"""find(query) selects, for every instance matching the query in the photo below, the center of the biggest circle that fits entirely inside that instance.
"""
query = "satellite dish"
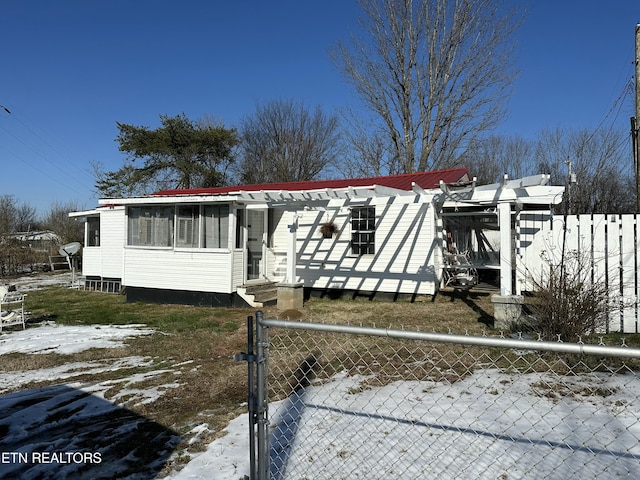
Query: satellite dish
(70, 249)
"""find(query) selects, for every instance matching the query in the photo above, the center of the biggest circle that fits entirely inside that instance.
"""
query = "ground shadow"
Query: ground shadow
(470, 299)
(284, 432)
(63, 432)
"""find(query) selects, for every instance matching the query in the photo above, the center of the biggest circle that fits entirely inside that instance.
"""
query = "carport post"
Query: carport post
(291, 251)
(506, 247)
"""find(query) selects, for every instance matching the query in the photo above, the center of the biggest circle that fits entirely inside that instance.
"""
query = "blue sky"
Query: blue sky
(70, 70)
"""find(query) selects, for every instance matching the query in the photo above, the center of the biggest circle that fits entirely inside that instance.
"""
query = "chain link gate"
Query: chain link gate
(256, 400)
(344, 401)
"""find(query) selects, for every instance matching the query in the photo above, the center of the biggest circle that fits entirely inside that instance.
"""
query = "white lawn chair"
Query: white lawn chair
(458, 271)
(11, 308)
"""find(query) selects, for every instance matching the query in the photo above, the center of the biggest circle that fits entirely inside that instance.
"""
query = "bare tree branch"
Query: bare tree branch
(285, 141)
(436, 73)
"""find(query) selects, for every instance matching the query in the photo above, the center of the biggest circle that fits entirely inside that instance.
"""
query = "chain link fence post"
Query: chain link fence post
(262, 348)
(251, 359)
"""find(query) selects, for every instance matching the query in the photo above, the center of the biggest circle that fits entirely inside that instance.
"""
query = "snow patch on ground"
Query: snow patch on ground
(52, 338)
(29, 283)
(11, 381)
(435, 430)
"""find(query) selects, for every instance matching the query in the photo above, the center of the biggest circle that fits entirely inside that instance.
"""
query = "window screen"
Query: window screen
(150, 226)
(216, 226)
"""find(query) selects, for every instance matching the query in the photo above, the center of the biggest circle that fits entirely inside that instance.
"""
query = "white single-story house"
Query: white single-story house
(382, 236)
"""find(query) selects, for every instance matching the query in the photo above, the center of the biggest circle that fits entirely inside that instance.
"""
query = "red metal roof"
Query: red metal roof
(426, 180)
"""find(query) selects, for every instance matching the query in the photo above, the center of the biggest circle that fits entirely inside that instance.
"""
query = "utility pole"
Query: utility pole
(571, 181)
(636, 120)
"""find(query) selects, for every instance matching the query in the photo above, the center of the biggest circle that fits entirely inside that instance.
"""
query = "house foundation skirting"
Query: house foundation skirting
(102, 284)
(183, 297)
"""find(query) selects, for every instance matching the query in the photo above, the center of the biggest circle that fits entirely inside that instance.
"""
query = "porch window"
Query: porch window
(363, 224)
(187, 226)
(150, 226)
(93, 231)
(239, 228)
(215, 226)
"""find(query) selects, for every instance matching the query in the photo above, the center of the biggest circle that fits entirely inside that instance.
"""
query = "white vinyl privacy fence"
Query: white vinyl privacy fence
(348, 402)
(608, 243)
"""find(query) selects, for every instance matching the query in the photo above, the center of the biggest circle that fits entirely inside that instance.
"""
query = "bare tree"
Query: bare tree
(26, 219)
(489, 159)
(16, 217)
(8, 214)
(57, 220)
(436, 74)
(601, 163)
(369, 151)
(568, 300)
(284, 141)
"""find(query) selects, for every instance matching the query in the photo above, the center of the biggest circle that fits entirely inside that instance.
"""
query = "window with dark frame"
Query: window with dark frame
(93, 231)
(239, 228)
(363, 224)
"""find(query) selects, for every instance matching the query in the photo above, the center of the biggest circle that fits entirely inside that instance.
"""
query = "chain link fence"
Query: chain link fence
(348, 402)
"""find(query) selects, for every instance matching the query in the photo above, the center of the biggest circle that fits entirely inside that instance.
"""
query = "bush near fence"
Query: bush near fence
(16, 258)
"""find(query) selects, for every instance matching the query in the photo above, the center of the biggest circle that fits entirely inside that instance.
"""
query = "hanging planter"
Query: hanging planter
(329, 229)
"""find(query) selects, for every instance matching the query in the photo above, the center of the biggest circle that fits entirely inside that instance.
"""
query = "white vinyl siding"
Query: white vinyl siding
(191, 270)
(406, 246)
(197, 269)
(198, 258)
(112, 242)
(105, 260)
(404, 260)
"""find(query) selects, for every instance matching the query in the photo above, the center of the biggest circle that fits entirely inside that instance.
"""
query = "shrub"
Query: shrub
(16, 257)
(569, 300)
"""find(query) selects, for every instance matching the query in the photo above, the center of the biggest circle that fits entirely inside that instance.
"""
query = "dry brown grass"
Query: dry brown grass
(196, 347)
(458, 313)
(387, 359)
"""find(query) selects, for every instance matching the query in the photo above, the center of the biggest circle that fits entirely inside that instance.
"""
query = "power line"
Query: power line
(60, 167)
(618, 103)
(43, 140)
(39, 170)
